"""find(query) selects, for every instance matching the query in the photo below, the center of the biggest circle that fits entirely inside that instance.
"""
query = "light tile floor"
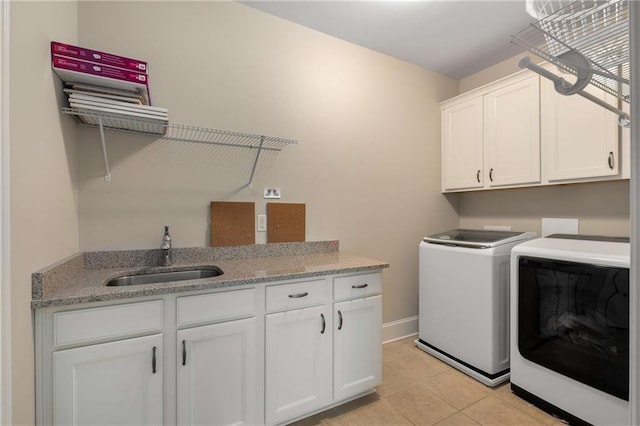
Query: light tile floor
(418, 389)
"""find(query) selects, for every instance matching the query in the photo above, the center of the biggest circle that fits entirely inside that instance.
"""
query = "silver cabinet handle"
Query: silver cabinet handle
(610, 160)
(491, 175)
(365, 285)
(478, 176)
(153, 360)
(184, 352)
(299, 295)
(324, 324)
(340, 323)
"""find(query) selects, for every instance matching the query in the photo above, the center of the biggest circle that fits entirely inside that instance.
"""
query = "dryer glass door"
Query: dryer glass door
(573, 318)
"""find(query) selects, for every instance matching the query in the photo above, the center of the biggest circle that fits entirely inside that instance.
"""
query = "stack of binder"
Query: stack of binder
(109, 89)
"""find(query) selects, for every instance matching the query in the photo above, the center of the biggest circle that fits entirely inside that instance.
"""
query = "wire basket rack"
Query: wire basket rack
(586, 38)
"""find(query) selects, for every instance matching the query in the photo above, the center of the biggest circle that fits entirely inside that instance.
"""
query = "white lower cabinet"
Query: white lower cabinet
(321, 355)
(298, 363)
(116, 383)
(216, 374)
(252, 355)
(357, 346)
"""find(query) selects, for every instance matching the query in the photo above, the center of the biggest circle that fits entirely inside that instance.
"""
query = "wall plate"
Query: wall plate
(272, 193)
(554, 225)
(262, 223)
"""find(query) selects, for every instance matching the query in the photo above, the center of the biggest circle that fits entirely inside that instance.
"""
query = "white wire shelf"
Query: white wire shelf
(177, 132)
(163, 129)
(586, 38)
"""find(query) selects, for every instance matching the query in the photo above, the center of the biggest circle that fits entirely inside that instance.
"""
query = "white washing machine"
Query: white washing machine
(464, 300)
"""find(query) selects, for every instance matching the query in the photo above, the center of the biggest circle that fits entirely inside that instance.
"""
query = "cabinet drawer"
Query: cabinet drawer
(291, 296)
(357, 285)
(215, 306)
(106, 322)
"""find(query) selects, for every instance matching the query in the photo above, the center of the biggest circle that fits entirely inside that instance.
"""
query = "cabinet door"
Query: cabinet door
(117, 383)
(357, 346)
(298, 363)
(512, 134)
(462, 148)
(580, 137)
(217, 374)
(625, 147)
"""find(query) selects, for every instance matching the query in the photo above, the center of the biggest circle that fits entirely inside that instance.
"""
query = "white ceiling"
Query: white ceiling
(456, 38)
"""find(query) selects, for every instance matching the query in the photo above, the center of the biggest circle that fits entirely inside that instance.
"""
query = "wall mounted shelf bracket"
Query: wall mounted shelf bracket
(255, 163)
(107, 171)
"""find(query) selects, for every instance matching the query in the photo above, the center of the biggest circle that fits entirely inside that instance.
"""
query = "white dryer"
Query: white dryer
(464, 300)
(570, 327)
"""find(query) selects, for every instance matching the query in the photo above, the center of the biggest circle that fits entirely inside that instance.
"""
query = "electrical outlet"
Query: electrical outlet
(262, 223)
(272, 193)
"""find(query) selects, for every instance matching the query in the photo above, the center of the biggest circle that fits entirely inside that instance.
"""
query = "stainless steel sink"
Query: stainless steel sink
(164, 277)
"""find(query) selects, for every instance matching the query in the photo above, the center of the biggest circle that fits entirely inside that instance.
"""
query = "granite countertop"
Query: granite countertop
(81, 278)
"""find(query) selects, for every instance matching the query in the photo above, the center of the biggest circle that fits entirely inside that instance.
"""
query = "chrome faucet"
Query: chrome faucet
(166, 247)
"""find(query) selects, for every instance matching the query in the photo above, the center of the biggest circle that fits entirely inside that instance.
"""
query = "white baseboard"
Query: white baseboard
(396, 330)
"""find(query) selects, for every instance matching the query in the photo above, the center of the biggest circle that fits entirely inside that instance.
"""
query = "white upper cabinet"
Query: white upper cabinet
(580, 138)
(625, 148)
(518, 131)
(462, 148)
(512, 134)
(491, 138)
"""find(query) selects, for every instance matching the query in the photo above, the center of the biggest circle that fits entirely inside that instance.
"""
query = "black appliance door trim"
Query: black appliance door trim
(469, 366)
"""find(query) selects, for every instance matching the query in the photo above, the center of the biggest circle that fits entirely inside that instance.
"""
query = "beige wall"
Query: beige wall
(602, 208)
(44, 223)
(367, 166)
(492, 73)
(368, 161)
